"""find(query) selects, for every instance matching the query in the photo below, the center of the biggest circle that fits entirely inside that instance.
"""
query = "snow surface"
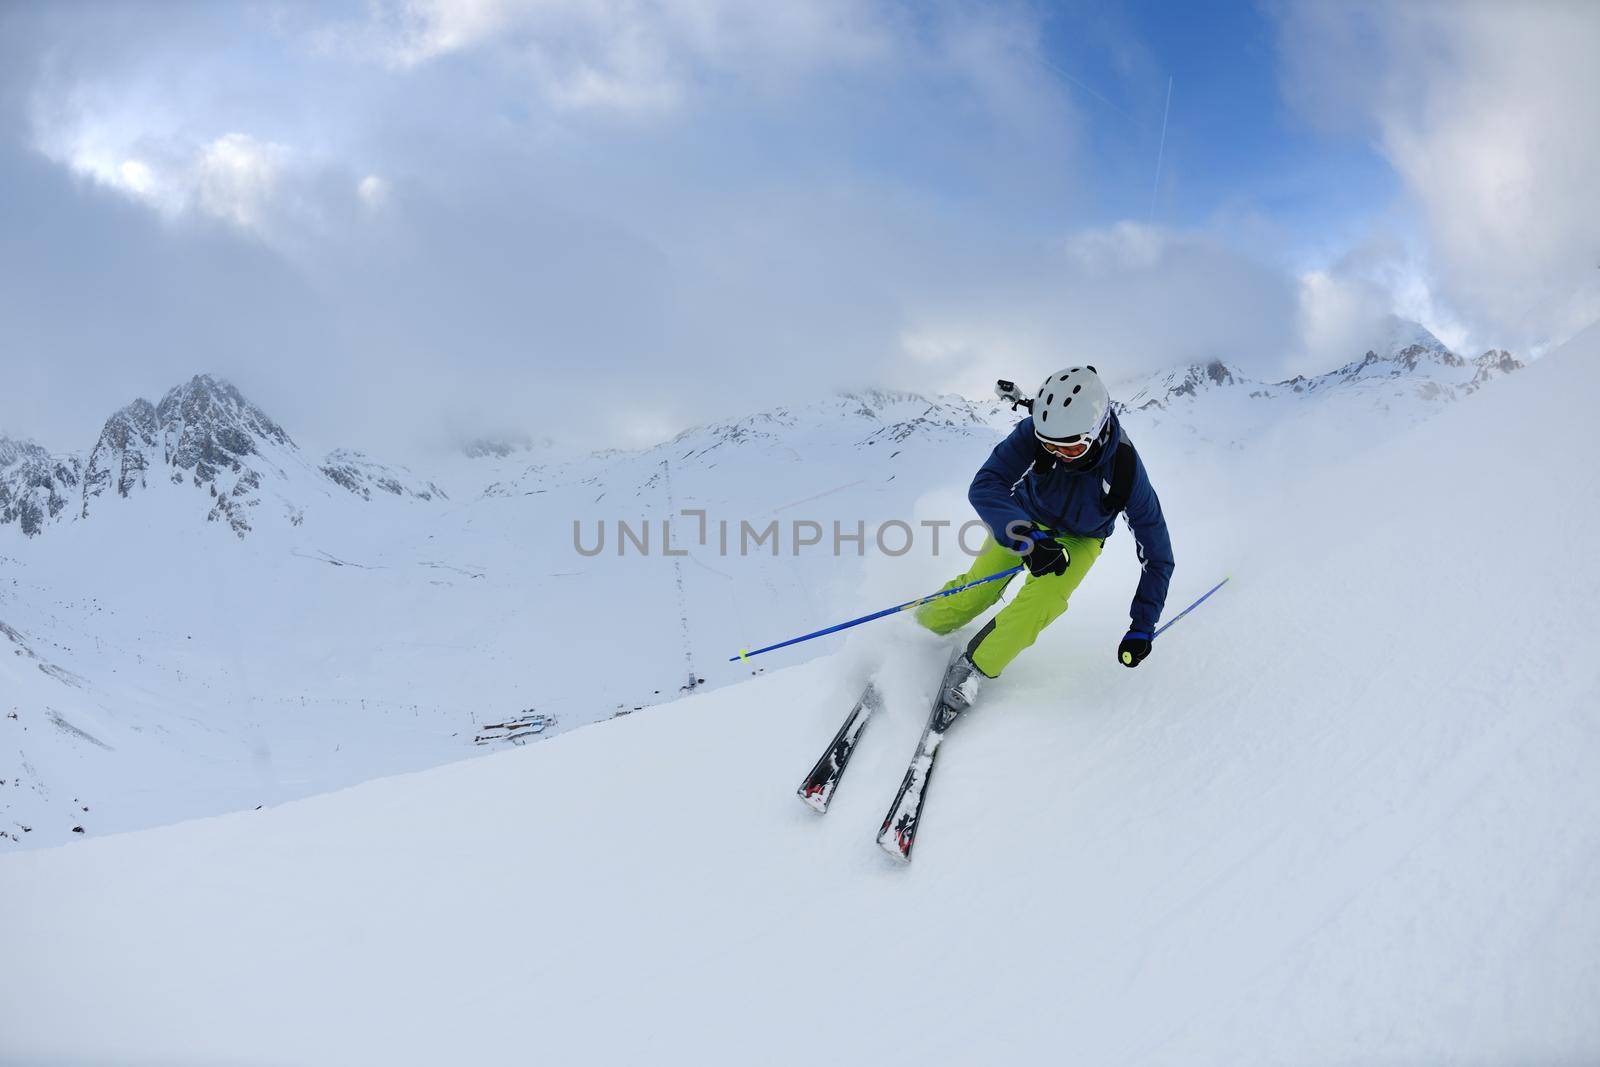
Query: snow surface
(1346, 812)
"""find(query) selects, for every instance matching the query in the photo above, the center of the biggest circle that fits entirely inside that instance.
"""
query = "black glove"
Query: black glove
(1045, 556)
(1134, 648)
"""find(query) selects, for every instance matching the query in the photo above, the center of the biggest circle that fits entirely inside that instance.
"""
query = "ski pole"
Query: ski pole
(1164, 626)
(877, 615)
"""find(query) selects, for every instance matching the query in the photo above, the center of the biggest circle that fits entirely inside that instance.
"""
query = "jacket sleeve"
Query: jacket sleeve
(991, 486)
(1154, 547)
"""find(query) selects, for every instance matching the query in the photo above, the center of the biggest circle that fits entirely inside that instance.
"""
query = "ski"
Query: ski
(899, 831)
(819, 785)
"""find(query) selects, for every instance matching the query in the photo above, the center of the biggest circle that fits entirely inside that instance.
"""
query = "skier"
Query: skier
(1051, 492)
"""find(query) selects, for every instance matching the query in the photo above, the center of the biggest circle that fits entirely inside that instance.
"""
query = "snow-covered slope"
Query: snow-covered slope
(1345, 813)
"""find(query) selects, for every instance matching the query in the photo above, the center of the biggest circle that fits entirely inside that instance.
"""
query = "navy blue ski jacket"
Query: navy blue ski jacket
(1022, 483)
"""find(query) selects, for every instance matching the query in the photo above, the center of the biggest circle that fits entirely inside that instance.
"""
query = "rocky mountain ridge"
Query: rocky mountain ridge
(35, 486)
(203, 434)
(1417, 361)
(362, 475)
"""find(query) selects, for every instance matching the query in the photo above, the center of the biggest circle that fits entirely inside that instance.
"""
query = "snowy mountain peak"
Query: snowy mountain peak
(203, 434)
(1401, 335)
(124, 453)
(875, 403)
(1493, 363)
(34, 485)
(135, 422)
(13, 450)
(503, 446)
(1404, 359)
(1409, 362)
(203, 431)
(1407, 347)
(360, 474)
(1179, 382)
(210, 427)
(877, 410)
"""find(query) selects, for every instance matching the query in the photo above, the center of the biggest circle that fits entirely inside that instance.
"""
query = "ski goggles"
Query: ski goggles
(1071, 448)
(1076, 446)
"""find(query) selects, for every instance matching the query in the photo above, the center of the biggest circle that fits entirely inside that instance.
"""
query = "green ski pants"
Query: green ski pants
(1019, 623)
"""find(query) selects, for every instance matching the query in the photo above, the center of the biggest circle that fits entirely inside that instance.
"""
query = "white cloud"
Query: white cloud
(1130, 298)
(898, 221)
(936, 344)
(161, 160)
(634, 56)
(236, 178)
(373, 191)
(1120, 248)
(147, 153)
(132, 177)
(108, 154)
(405, 33)
(1488, 113)
(137, 177)
(1340, 316)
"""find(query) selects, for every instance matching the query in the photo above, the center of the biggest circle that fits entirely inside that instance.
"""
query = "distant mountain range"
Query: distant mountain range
(1411, 374)
(205, 435)
(1416, 363)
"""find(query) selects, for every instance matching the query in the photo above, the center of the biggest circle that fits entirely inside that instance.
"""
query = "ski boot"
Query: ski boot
(960, 686)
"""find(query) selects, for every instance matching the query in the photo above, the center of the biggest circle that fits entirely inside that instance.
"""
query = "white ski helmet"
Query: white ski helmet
(1072, 406)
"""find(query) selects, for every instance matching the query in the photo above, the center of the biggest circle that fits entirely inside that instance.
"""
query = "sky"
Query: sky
(402, 223)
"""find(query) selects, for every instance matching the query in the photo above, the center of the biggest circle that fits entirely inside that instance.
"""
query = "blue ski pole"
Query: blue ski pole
(1203, 597)
(878, 615)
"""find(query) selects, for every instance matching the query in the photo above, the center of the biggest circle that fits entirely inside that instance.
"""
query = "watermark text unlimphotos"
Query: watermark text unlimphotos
(741, 537)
